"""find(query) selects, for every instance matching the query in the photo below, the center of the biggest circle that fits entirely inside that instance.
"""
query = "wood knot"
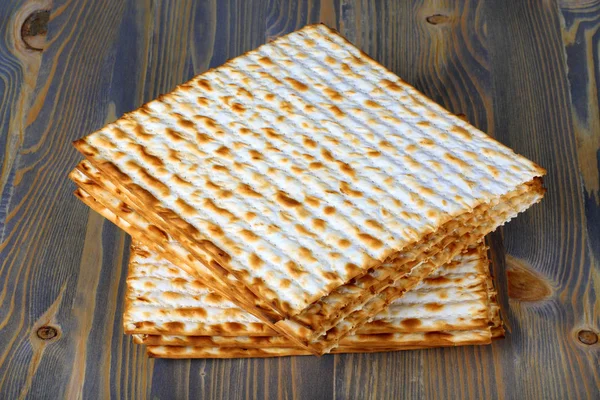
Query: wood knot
(523, 283)
(34, 30)
(587, 337)
(47, 333)
(437, 19)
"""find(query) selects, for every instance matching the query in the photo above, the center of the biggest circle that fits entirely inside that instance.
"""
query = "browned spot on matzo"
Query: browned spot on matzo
(294, 269)
(337, 111)
(174, 135)
(371, 223)
(319, 224)
(461, 132)
(411, 323)
(204, 84)
(303, 231)
(309, 142)
(223, 151)
(209, 204)
(306, 254)
(347, 190)
(246, 190)
(255, 261)
(256, 155)
(312, 201)
(344, 243)
(266, 61)
(456, 161)
(202, 101)
(249, 235)
(352, 269)
(372, 104)
(185, 123)
(286, 200)
(238, 108)
(391, 85)
(297, 84)
(203, 138)
(434, 306)
(332, 94)
(370, 240)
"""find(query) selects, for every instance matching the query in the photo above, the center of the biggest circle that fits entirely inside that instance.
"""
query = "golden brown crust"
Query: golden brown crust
(434, 340)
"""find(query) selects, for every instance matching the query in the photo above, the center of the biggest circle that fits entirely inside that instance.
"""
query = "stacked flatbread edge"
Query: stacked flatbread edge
(177, 316)
(452, 307)
(305, 183)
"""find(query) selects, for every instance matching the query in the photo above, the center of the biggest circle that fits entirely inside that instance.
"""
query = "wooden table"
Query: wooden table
(527, 72)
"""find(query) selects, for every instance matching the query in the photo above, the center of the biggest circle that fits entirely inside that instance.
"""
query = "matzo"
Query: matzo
(145, 264)
(122, 215)
(458, 296)
(302, 165)
(465, 282)
(451, 298)
(357, 344)
(378, 304)
(395, 342)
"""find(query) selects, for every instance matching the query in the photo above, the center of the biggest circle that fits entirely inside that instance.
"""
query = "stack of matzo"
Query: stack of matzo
(304, 183)
(177, 316)
(456, 305)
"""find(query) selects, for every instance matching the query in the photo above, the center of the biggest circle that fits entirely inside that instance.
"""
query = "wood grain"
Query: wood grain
(531, 86)
(581, 39)
(526, 72)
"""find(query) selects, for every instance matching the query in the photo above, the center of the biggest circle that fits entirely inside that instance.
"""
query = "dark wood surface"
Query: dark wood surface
(527, 72)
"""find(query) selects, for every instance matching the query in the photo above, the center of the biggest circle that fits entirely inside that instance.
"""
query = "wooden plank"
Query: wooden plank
(457, 61)
(60, 268)
(440, 48)
(509, 67)
(581, 38)
(543, 358)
